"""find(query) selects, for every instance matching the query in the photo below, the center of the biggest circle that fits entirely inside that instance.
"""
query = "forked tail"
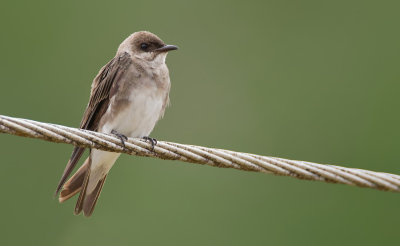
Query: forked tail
(79, 183)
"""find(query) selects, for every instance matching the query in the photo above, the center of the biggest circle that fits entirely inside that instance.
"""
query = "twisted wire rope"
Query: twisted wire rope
(201, 155)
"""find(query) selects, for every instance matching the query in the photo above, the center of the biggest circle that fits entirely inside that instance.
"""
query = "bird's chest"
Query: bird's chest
(137, 110)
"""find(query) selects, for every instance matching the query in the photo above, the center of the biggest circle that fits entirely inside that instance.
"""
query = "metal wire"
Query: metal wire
(201, 155)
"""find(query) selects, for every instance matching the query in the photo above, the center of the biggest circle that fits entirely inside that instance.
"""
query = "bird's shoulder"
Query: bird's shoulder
(119, 64)
(103, 88)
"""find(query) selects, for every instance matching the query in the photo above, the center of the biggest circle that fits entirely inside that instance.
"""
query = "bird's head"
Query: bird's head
(146, 46)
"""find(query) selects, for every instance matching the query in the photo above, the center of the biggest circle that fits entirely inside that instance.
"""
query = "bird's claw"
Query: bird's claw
(122, 137)
(153, 141)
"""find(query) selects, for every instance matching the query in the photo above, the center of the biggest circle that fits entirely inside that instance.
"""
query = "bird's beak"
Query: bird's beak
(167, 48)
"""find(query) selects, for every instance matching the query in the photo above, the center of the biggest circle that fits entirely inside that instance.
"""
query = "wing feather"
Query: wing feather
(100, 95)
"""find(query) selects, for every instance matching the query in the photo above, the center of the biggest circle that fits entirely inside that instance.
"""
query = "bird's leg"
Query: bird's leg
(122, 137)
(153, 141)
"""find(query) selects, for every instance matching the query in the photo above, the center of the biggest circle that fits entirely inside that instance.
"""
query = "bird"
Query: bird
(127, 98)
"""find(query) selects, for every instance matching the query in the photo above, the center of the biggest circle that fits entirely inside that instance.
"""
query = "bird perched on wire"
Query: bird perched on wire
(128, 96)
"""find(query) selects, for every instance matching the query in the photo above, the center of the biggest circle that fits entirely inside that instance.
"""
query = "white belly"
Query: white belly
(140, 116)
(136, 120)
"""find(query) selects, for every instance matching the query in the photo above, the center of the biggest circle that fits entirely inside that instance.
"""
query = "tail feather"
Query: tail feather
(87, 201)
(90, 200)
(79, 202)
(74, 184)
(79, 183)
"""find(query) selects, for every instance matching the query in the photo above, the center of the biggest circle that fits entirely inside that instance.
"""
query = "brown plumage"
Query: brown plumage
(111, 92)
(74, 184)
(101, 92)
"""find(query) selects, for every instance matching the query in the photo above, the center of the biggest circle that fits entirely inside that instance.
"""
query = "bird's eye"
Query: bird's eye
(144, 46)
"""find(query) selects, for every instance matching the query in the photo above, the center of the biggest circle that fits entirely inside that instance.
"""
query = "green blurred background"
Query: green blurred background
(309, 80)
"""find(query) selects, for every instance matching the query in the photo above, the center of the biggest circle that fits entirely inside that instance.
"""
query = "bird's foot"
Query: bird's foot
(122, 137)
(153, 141)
